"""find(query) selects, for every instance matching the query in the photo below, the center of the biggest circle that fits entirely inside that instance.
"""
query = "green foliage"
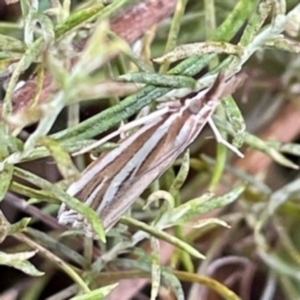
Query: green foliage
(213, 199)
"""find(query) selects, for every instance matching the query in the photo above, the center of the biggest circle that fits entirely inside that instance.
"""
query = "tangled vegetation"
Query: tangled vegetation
(221, 222)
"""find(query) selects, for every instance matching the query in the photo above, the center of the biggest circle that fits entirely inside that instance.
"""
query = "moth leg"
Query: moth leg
(123, 133)
(221, 140)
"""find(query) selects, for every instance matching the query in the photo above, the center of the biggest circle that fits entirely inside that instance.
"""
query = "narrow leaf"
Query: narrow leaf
(5, 179)
(19, 261)
(97, 294)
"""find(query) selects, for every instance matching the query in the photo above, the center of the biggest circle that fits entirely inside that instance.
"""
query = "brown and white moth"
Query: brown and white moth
(116, 179)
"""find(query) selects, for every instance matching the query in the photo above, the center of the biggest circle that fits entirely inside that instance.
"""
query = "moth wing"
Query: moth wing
(131, 190)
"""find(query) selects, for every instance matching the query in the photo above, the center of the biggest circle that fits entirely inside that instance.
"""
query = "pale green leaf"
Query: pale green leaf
(20, 261)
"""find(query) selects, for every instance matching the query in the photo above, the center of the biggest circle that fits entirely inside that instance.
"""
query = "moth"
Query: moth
(116, 179)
